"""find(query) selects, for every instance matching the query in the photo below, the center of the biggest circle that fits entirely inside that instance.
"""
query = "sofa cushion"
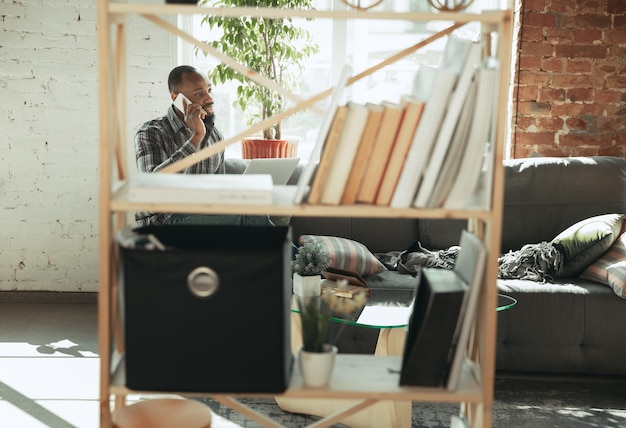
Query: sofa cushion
(347, 254)
(585, 241)
(610, 269)
(566, 325)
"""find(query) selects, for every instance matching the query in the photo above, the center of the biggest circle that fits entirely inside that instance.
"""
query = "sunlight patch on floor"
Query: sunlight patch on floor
(618, 413)
(60, 348)
(54, 389)
(574, 412)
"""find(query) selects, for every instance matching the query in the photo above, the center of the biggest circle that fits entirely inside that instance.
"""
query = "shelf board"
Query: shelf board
(493, 17)
(355, 376)
(283, 205)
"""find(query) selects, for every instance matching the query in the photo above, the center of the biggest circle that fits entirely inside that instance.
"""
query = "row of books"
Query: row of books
(426, 151)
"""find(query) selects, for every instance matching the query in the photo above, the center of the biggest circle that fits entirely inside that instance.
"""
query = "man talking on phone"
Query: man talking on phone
(187, 127)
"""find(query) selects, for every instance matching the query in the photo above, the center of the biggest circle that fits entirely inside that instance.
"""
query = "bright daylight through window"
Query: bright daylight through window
(361, 43)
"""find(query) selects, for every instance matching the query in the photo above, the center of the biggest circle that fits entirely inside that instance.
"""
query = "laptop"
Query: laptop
(281, 169)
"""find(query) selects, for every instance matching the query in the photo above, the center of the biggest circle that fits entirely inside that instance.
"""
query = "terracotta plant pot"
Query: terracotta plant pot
(260, 148)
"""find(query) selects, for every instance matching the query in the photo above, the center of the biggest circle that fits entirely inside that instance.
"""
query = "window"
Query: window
(362, 43)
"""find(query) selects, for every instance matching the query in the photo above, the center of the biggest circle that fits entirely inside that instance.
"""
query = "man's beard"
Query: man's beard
(209, 121)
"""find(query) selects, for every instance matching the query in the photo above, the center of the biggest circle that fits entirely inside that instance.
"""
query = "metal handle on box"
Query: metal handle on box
(203, 282)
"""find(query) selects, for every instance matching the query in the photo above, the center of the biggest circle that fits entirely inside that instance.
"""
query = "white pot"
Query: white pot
(307, 286)
(317, 367)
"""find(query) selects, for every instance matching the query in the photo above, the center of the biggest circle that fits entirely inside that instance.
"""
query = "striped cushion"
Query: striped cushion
(610, 269)
(347, 254)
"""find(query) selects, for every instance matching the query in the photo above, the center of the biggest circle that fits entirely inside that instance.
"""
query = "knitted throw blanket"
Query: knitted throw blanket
(535, 262)
(416, 256)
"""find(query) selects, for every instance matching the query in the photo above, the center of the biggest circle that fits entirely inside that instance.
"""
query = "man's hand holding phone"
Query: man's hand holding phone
(193, 115)
(181, 102)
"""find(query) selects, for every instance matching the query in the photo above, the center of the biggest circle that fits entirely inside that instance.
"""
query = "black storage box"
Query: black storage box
(206, 308)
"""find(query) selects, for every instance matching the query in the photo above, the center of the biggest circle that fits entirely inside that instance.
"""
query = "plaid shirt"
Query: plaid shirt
(165, 140)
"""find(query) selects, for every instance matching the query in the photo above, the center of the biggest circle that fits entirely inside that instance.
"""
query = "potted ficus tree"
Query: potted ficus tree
(274, 48)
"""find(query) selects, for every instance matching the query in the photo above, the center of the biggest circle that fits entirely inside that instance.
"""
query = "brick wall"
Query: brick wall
(571, 86)
(49, 137)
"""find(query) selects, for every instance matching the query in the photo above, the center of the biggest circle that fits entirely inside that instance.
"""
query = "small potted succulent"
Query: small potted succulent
(310, 261)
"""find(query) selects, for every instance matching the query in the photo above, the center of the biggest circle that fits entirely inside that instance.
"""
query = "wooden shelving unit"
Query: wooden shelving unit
(476, 391)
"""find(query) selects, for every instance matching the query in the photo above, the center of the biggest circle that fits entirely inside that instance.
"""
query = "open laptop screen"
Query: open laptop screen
(281, 169)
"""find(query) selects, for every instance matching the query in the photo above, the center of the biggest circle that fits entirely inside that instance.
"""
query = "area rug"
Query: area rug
(520, 402)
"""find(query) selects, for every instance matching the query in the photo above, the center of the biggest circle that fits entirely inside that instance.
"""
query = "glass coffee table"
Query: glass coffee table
(379, 313)
(389, 316)
(392, 319)
(505, 302)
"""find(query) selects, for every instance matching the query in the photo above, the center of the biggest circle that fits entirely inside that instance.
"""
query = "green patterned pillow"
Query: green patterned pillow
(347, 254)
(584, 242)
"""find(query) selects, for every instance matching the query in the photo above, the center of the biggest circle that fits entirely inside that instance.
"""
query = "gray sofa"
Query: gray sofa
(562, 326)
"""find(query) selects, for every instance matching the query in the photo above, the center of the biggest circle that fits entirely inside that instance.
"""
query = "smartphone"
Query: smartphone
(178, 102)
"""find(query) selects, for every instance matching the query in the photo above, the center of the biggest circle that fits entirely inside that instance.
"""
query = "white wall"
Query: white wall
(49, 136)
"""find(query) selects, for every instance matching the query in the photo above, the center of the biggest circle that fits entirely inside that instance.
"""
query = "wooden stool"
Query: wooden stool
(163, 413)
